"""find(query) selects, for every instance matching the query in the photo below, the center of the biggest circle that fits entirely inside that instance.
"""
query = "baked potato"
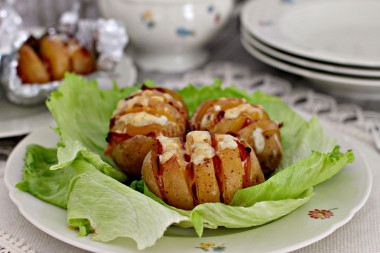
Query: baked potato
(137, 120)
(207, 168)
(249, 122)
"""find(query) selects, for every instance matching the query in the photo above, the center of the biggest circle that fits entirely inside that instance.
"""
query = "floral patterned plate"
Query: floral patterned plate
(334, 204)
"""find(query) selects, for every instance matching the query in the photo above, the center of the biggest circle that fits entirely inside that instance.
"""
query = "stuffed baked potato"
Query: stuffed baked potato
(138, 119)
(249, 122)
(206, 168)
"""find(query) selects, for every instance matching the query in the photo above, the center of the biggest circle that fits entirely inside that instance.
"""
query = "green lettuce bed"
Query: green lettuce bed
(76, 175)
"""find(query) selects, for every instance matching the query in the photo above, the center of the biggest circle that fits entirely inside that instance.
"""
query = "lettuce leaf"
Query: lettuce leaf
(39, 180)
(97, 203)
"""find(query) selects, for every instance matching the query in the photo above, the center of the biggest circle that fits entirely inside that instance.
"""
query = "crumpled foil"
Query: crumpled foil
(10, 23)
(107, 38)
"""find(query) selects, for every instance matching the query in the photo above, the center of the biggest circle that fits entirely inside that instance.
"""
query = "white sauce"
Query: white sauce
(207, 118)
(226, 141)
(170, 97)
(217, 108)
(158, 98)
(201, 152)
(200, 136)
(170, 147)
(234, 112)
(201, 148)
(258, 140)
(139, 119)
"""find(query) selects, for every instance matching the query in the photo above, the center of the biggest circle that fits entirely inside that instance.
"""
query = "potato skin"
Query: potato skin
(149, 173)
(30, 68)
(129, 154)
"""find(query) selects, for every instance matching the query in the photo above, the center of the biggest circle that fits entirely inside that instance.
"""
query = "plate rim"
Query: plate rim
(82, 245)
(341, 81)
(306, 62)
(245, 16)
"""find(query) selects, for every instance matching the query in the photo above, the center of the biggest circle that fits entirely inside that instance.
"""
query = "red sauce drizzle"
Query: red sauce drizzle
(219, 117)
(159, 148)
(159, 179)
(244, 156)
(151, 134)
(145, 87)
(116, 138)
(247, 122)
(233, 134)
(218, 174)
(112, 122)
(218, 168)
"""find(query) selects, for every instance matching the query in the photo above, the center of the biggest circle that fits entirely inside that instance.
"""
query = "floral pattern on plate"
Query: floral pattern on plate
(147, 18)
(321, 214)
(211, 246)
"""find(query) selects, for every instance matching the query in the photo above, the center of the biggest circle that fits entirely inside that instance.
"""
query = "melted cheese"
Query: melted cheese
(201, 148)
(217, 108)
(200, 136)
(170, 147)
(234, 112)
(140, 119)
(171, 98)
(206, 120)
(258, 140)
(226, 141)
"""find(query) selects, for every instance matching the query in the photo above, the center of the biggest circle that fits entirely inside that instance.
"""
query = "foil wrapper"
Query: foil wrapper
(106, 38)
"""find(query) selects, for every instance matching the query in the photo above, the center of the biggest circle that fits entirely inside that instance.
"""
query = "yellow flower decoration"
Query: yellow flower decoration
(148, 15)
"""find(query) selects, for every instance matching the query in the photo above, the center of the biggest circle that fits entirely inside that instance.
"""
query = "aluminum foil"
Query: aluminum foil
(107, 38)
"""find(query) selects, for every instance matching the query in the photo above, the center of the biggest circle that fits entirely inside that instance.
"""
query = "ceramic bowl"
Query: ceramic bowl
(169, 35)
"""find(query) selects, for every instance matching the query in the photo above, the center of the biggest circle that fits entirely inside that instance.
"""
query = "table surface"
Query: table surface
(361, 234)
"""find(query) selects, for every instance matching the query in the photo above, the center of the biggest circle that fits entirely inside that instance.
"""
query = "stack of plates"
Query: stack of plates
(334, 43)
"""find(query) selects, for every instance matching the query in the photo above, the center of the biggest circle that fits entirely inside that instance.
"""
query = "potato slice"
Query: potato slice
(231, 170)
(174, 174)
(204, 178)
(254, 174)
(55, 54)
(30, 68)
(265, 139)
(150, 174)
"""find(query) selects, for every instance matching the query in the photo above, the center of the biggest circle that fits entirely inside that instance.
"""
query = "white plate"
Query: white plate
(307, 63)
(125, 75)
(18, 120)
(345, 193)
(356, 88)
(338, 31)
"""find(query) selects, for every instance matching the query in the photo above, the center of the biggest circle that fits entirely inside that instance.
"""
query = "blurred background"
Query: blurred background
(47, 12)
